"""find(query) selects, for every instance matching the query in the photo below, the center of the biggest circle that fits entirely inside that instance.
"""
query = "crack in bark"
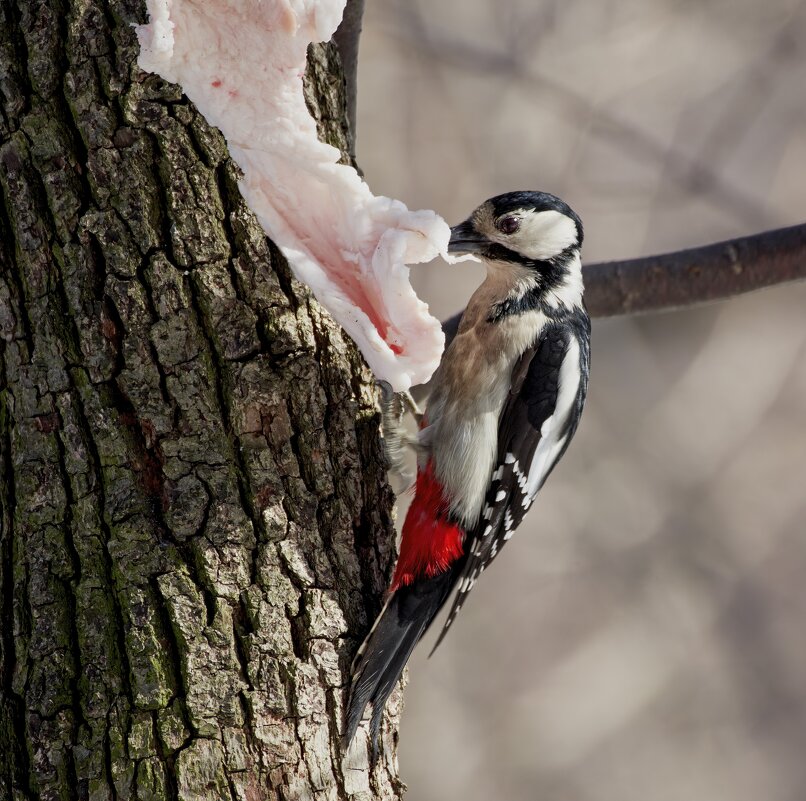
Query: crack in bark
(70, 585)
(19, 765)
(208, 546)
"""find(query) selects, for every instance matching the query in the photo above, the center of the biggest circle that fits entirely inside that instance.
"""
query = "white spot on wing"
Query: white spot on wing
(522, 480)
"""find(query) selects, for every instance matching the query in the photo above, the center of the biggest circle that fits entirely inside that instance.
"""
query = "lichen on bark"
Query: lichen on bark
(196, 527)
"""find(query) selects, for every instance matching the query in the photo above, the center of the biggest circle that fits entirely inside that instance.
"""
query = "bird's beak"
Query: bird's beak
(465, 239)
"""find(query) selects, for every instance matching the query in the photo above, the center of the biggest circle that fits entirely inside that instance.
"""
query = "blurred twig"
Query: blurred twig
(685, 170)
(687, 277)
(346, 38)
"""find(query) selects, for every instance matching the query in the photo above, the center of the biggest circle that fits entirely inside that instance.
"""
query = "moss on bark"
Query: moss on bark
(196, 527)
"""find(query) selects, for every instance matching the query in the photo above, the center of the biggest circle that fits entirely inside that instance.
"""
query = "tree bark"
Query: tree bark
(196, 528)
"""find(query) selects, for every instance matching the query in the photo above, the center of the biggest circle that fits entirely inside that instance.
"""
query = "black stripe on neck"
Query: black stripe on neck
(549, 276)
(528, 301)
(496, 252)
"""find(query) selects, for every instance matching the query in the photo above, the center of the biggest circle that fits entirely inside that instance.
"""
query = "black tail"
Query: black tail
(405, 618)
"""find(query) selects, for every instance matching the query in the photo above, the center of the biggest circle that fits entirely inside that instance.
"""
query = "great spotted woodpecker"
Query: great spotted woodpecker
(504, 404)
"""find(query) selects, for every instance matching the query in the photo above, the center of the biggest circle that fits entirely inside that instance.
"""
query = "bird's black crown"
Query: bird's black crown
(534, 201)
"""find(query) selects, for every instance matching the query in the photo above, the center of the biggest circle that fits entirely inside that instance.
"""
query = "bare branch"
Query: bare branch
(687, 277)
(712, 272)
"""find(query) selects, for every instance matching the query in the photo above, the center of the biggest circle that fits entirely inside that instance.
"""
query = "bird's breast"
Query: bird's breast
(469, 393)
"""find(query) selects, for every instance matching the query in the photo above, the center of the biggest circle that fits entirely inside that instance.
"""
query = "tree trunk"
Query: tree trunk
(196, 525)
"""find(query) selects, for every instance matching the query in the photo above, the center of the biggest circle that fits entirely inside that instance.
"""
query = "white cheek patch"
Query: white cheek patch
(543, 235)
(241, 62)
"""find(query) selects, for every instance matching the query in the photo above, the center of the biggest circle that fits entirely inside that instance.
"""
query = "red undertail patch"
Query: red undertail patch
(431, 542)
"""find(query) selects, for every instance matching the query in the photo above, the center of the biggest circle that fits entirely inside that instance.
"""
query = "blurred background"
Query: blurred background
(644, 634)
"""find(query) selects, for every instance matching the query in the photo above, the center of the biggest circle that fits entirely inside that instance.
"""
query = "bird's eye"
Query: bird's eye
(508, 225)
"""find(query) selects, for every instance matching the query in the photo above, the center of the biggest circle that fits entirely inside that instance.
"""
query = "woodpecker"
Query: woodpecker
(505, 401)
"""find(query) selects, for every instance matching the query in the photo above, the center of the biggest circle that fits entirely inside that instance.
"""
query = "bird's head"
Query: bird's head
(521, 227)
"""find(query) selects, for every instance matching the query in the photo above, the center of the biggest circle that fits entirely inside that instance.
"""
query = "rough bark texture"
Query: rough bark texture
(195, 527)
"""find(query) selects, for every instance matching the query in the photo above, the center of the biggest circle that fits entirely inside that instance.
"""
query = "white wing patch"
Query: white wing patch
(531, 445)
(551, 442)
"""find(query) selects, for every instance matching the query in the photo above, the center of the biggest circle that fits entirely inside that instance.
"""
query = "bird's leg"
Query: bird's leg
(397, 440)
(411, 405)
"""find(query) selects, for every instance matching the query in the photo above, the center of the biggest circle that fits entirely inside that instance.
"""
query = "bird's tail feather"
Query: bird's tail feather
(383, 656)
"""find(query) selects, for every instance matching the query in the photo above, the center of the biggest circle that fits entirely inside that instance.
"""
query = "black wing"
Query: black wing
(541, 414)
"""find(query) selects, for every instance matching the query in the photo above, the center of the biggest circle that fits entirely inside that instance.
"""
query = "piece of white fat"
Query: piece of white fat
(241, 62)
